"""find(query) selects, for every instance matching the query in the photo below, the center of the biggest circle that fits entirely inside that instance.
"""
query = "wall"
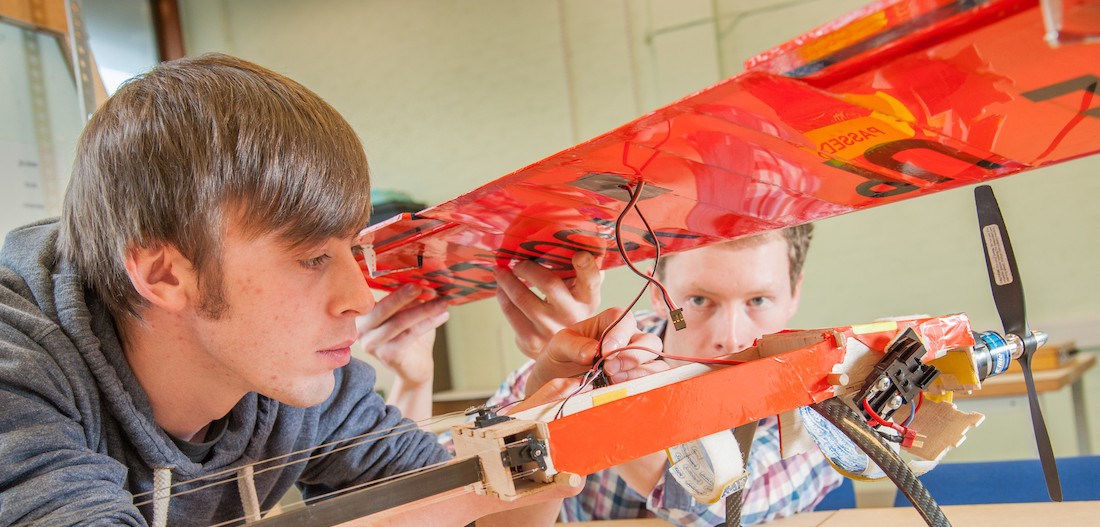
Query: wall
(39, 123)
(448, 95)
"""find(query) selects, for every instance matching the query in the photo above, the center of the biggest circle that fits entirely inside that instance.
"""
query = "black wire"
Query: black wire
(656, 259)
(652, 233)
(632, 204)
(592, 373)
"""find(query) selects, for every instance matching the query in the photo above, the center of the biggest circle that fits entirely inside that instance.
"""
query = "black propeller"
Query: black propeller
(1008, 295)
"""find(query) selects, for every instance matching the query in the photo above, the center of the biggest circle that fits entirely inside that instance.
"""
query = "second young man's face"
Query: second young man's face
(290, 317)
(730, 296)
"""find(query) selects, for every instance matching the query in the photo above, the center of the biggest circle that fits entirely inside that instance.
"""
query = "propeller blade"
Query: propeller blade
(1008, 295)
(1000, 262)
(1042, 438)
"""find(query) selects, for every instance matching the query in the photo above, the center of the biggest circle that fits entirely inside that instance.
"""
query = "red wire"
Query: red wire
(656, 259)
(634, 196)
(685, 358)
(878, 419)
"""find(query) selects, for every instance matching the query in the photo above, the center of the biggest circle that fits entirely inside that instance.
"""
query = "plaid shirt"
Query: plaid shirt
(777, 487)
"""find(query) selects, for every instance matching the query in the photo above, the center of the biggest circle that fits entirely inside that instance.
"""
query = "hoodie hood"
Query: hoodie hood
(79, 440)
(56, 304)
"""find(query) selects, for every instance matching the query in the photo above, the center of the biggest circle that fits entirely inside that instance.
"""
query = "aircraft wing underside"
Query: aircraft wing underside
(898, 100)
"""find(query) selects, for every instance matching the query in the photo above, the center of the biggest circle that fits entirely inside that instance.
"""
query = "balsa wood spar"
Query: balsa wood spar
(900, 99)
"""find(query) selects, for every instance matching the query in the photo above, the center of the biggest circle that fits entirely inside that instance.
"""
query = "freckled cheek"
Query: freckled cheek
(250, 285)
(278, 363)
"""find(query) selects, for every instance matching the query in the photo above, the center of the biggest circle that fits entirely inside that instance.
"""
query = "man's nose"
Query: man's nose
(729, 337)
(350, 293)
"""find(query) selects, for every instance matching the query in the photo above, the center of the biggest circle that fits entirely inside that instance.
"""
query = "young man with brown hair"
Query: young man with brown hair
(731, 294)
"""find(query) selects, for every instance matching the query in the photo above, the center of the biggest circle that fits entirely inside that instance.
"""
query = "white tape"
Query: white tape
(841, 452)
(846, 457)
(370, 259)
(710, 468)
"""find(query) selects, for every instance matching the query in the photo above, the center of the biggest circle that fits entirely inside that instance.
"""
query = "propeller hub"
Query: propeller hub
(1016, 344)
(1040, 338)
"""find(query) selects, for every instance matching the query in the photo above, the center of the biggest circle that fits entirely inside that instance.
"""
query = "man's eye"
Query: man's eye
(314, 263)
(759, 301)
(696, 301)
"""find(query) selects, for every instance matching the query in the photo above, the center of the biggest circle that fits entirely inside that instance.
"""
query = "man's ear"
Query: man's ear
(163, 276)
(796, 295)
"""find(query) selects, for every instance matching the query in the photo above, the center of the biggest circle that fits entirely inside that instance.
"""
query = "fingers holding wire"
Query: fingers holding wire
(553, 390)
(640, 357)
(569, 352)
(576, 349)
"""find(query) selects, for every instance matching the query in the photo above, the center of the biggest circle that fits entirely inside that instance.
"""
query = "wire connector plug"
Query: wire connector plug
(910, 439)
(677, 316)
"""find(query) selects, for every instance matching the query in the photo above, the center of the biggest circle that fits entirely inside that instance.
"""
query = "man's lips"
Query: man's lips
(339, 355)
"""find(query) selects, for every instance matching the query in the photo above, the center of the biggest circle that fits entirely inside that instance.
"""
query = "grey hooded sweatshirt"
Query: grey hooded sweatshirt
(78, 444)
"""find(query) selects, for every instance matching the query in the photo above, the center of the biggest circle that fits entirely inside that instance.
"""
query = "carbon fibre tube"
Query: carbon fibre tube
(853, 426)
(744, 435)
(733, 509)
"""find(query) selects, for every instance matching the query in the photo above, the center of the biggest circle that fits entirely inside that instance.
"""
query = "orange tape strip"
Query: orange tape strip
(625, 429)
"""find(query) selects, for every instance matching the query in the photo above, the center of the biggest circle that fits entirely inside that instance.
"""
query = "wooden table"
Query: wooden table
(1012, 384)
(1070, 513)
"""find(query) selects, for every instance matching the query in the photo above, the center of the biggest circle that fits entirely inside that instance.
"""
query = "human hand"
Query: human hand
(573, 350)
(551, 391)
(400, 332)
(535, 320)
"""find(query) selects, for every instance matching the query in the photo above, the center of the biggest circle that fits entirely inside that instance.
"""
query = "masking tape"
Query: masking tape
(875, 327)
(613, 395)
(710, 468)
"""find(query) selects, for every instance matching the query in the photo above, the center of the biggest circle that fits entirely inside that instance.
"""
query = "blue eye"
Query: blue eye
(697, 301)
(759, 301)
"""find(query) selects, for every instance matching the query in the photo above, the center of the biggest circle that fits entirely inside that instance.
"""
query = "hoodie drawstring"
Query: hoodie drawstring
(246, 486)
(162, 493)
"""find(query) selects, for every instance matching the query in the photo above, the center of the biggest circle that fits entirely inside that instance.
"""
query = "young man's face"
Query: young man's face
(730, 297)
(290, 319)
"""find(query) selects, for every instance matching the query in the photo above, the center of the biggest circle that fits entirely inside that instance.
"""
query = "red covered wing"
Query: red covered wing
(898, 100)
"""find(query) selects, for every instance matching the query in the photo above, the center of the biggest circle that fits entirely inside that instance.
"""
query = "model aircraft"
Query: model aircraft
(894, 370)
(895, 101)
